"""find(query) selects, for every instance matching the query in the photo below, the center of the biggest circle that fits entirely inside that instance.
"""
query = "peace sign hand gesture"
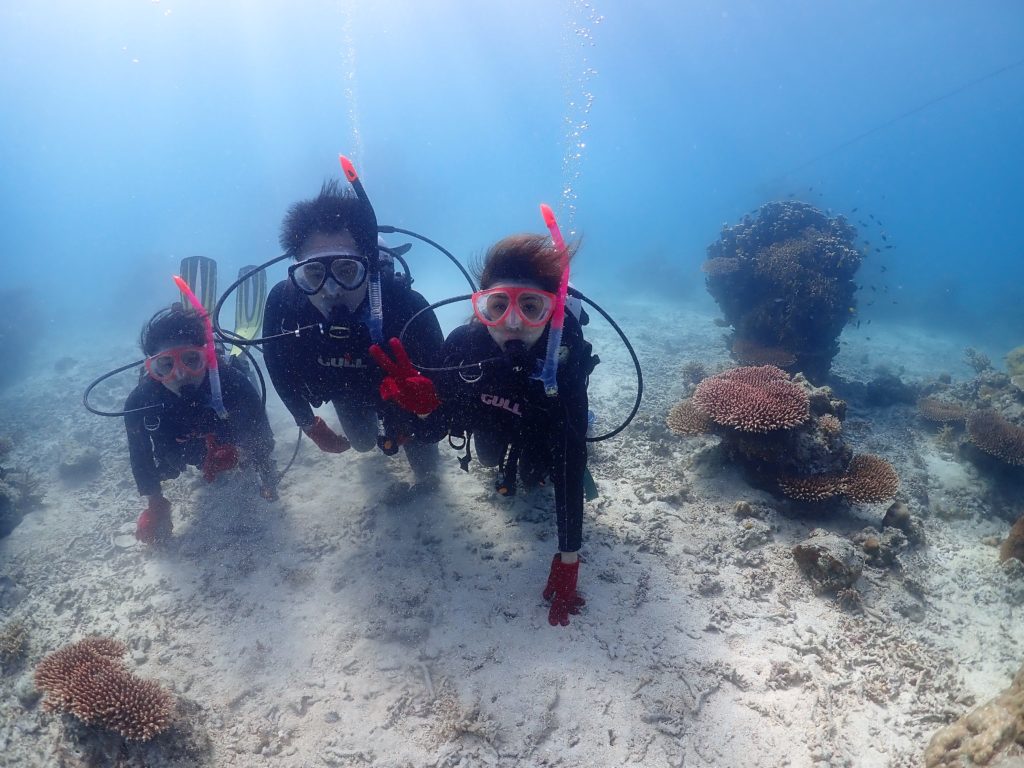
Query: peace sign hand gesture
(413, 391)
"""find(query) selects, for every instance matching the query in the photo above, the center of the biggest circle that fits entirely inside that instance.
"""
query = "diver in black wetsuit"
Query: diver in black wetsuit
(325, 308)
(487, 390)
(171, 424)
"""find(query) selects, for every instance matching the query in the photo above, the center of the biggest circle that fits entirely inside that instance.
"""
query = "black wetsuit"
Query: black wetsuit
(161, 441)
(504, 408)
(330, 361)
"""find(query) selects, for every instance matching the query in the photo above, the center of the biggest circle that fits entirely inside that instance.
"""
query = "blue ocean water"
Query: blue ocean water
(138, 132)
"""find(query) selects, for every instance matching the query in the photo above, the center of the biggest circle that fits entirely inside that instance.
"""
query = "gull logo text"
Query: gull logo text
(501, 402)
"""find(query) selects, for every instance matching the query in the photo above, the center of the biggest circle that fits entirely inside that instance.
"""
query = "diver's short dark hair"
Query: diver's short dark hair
(334, 210)
(527, 258)
(174, 325)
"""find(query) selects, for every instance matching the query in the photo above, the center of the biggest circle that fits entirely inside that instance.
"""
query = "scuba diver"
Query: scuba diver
(324, 317)
(178, 415)
(532, 426)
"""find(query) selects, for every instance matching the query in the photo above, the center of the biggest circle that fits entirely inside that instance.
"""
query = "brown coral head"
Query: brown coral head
(720, 265)
(941, 411)
(830, 424)
(812, 487)
(997, 436)
(870, 479)
(685, 419)
(753, 399)
(88, 680)
(1013, 545)
(751, 353)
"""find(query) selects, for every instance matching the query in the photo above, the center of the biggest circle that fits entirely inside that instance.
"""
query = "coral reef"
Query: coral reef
(995, 435)
(867, 480)
(993, 730)
(979, 361)
(941, 411)
(88, 680)
(784, 280)
(78, 462)
(20, 492)
(898, 516)
(786, 433)
(686, 420)
(753, 399)
(747, 352)
(831, 562)
(1013, 545)
(13, 638)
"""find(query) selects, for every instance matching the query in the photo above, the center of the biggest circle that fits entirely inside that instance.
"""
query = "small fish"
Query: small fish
(889, 246)
(884, 237)
(791, 194)
(880, 222)
(862, 223)
(852, 311)
(895, 302)
(867, 242)
(867, 338)
(870, 303)
(878, 250)
(884, 267)
(868, 322)
(854, 210)
(858, 323)
(810, 189)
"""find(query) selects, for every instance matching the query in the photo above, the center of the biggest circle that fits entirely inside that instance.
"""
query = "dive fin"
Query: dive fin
(249, 304)
(200, 272)
(589, 486)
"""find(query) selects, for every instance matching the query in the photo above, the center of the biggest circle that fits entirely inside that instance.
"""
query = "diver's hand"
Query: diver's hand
(561, 591)
(220, 457)
(325, 438)
(409, 388)
(154, 523)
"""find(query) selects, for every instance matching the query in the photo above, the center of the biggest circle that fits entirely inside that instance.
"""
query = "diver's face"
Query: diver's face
(512, 328)
(186, 366)
(332, 295)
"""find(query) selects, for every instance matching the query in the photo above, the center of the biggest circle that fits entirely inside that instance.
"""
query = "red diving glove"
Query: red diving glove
(155, 522)
(413, 391)
(220, 457)
(325, 438)
(561, 591)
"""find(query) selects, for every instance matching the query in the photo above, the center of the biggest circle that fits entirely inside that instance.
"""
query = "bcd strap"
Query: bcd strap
(453, 439)
(506, 482)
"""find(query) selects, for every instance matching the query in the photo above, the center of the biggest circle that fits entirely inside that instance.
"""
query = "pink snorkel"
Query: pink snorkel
(549, 373)
(217, 399)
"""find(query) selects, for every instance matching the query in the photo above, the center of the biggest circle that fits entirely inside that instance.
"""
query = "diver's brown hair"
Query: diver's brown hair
(525, 257)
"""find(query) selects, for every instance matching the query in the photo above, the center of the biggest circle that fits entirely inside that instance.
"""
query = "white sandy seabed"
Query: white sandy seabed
(334, 629)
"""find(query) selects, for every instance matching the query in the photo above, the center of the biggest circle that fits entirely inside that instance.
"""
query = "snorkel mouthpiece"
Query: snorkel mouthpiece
(549, 373)
(217, 397)
(376, 323)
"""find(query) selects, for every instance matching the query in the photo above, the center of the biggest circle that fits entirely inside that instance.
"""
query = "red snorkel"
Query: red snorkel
(549, 373)
(217, 397)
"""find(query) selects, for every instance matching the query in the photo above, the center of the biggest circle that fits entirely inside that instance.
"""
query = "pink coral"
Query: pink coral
(753, 399)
